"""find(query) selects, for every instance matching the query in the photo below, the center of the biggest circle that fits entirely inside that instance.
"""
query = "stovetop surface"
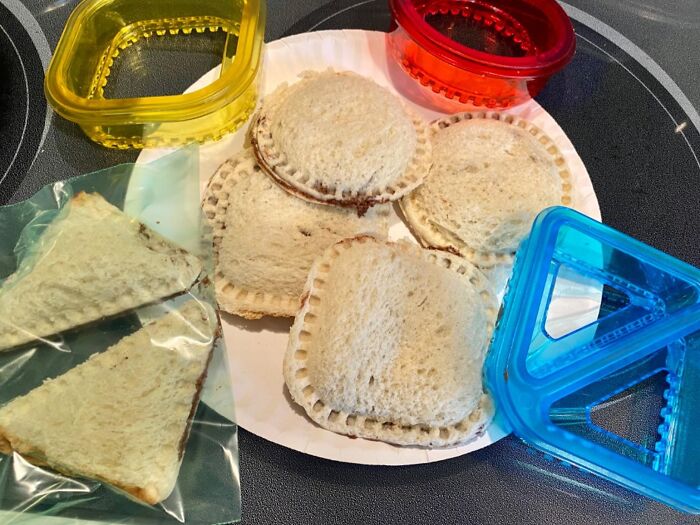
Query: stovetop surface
(633, 120)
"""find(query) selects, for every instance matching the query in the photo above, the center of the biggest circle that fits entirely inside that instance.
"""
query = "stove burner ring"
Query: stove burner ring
(23, 109)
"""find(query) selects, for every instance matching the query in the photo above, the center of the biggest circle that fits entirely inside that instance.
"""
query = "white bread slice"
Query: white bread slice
(91, 262)
(389, 344)
(492, 174)
(265, 239)
(339, 138)
(122, 416)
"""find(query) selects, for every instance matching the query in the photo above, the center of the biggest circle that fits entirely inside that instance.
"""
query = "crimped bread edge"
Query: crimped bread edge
(303, 393)
(233, 299)
(295, 181)
(429, 235)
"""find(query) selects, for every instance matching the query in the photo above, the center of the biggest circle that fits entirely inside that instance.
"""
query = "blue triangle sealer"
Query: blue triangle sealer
(550, 378)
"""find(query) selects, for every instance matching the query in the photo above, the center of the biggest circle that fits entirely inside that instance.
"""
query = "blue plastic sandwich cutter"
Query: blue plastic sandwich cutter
(548, 383)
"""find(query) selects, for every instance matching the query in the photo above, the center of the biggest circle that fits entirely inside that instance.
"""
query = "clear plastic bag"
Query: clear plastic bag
(163, 196)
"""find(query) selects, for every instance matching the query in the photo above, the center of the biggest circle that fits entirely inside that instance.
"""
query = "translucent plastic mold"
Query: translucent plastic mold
(555, 385)
(492, 53)
(79, 77)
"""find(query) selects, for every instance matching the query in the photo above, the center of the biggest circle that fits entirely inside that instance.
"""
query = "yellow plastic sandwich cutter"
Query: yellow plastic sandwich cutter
(99, 30)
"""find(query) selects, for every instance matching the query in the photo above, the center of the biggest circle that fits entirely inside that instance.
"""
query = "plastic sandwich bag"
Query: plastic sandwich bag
(140, 292)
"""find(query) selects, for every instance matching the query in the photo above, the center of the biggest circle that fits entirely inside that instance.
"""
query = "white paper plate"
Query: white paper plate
(256, 348)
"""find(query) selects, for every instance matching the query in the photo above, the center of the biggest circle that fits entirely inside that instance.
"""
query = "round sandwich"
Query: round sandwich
(491, 175)
(389, 344)
(339, 138)
(265, 239)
